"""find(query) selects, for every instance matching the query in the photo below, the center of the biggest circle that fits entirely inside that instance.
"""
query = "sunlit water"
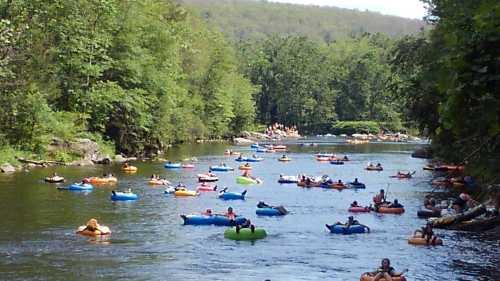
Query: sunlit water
(149, 242)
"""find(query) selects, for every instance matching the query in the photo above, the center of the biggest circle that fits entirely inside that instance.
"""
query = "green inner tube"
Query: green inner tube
(245, 234)
(245, 180)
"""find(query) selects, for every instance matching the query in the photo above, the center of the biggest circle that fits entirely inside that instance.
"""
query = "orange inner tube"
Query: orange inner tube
(129, 169)
(387, 210)
(245, 168)
(96, 180)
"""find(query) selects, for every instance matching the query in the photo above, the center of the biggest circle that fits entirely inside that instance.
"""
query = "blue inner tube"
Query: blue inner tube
(79, 187)
(255, 145)
(261, 150)
(268, 212)
(337, 162)
(172, 165)
(121, 196)
(233, 195)
(341, 229)
(212, 220)
(221, 168)
(245, 159)
(287, 181)
(357, 185)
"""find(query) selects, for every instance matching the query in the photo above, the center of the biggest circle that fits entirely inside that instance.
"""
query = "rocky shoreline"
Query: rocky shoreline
(87, 150)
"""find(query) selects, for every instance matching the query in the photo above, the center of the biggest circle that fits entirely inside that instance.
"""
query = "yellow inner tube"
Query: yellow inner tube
(421, 241)
(130, 169)
(186, 193)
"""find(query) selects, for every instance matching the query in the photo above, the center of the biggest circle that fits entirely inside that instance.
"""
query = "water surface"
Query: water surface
(149, 242)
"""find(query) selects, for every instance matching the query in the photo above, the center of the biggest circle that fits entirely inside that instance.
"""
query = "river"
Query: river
(149, 242)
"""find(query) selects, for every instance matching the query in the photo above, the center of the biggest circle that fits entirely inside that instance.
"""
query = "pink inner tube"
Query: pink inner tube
(187, 166)
(205, 188)
(359, 209)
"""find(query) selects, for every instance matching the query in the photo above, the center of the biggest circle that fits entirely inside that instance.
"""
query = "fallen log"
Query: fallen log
(477, 224)
(40, 162)
(446, 221)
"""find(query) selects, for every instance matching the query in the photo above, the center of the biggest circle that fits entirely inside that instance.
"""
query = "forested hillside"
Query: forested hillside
(247, 19)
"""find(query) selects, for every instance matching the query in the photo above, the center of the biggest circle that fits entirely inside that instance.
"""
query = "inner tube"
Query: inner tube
(401, 176)
(441, 183)
(56, 179)
(129, 169)
(278, 147)
(124, 196)
(449, 168)
(207, 178)
(387, 210)
(428, 168)
(255, 145)
(334, 185)
(186, 192)
(286, 159)
(207, 187)
(342, 229)
(78, 187)
(421, 241)
(246, 159)
(233, 195)
(245, 168)
(359, 209)
(187, 166)
(424, 214)
(357, 185)
(245, 234)
(234, 153)
(337, 162)
(371, 277)
(219, 220)
(309, 184)
(158, 182)
(322, 158)
(173, 165)
(97, 180)
(104, 230)
(268, 212)
(246, 180)
(261, 150)
(288, 179)
(374, 168)
(221, 168)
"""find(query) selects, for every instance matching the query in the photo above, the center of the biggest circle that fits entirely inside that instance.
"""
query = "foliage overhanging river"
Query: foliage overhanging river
(149, 242)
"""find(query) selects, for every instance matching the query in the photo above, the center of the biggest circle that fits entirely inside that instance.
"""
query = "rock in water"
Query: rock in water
(7, 168)
(242, 141)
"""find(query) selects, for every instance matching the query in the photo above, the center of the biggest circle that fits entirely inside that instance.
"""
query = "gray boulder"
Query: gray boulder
(7, 168)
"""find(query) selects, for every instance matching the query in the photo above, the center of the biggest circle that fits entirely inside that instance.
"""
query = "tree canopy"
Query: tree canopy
(142, 74)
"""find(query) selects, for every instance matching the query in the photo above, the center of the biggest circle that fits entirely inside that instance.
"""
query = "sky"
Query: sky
(404, 8)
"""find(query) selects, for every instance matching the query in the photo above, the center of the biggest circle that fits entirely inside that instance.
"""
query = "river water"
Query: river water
(149, 242)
